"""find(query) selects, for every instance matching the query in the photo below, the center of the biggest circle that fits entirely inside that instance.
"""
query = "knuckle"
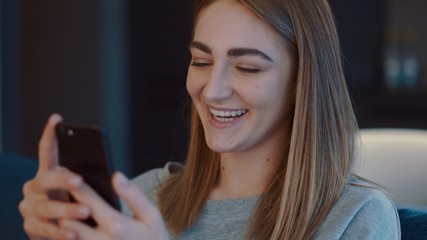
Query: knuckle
(29, 226)
(23, 207)
(27, 187)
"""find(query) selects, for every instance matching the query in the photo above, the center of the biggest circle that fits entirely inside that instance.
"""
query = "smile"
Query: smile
(227, 115)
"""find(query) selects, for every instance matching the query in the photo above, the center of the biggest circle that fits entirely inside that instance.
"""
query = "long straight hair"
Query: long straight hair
(323, 142)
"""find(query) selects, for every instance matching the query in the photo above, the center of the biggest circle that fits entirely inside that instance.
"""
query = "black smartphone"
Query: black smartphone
(84, 149)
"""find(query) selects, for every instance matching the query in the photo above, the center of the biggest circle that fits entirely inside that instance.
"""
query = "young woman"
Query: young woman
(273, 142)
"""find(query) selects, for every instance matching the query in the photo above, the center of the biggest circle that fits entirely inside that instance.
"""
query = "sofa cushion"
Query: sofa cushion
(413, 223)
(14, 172)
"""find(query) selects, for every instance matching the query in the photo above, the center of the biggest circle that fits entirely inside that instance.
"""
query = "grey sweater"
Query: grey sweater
(362, 212)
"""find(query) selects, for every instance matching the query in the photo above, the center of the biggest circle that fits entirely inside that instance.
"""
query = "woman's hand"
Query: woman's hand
(147, 222)
(40, 212)
(47, 218)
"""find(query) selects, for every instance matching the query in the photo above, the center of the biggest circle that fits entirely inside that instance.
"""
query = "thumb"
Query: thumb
(48, 146)
(142, 208)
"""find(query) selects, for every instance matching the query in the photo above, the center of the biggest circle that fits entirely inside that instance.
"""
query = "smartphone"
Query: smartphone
(84, 149)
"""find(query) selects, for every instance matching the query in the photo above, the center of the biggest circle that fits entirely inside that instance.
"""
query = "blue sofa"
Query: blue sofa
(16, 170)
(413, 223)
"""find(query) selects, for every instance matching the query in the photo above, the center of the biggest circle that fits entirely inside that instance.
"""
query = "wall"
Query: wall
(71, 61)
(160, 34)
(123, 64)
(363, 31)
(409, 18)
(360, 25)
(10, 94)
(1, 84)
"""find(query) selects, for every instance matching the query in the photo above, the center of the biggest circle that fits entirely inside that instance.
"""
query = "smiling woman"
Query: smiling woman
(272, 146)
(247, 71)
(293, 147)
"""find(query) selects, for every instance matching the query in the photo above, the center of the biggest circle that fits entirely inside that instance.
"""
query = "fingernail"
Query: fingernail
(84, 211)
(55, 117)
(75, 181)
(122, 180)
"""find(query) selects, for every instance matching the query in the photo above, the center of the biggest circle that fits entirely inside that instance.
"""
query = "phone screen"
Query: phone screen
(83, 149)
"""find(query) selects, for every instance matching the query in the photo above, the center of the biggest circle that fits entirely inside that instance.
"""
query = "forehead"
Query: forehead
(230, 23)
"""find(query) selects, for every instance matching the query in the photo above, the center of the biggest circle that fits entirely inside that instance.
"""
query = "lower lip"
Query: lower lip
(219, 124)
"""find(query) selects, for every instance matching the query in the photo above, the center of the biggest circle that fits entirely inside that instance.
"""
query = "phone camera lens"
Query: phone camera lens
(70, 132)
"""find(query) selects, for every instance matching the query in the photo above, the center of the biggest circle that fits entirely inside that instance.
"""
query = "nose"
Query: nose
(218, 86)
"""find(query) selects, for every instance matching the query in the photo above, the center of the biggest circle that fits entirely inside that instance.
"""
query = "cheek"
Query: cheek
(195, 86)
(192, 85)
(272, 94)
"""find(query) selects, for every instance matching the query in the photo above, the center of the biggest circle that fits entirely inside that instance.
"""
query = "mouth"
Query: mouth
(227, 115)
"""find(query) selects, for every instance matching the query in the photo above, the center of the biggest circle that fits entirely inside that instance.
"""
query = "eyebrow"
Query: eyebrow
(201, 46)
(234, 52)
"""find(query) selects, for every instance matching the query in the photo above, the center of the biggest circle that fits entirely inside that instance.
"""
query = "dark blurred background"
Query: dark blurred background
(122, 64)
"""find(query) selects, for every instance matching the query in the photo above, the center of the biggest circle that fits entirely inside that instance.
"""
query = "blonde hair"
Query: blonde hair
(322, 145)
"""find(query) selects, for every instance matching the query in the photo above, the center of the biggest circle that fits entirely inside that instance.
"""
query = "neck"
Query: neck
(246, 174)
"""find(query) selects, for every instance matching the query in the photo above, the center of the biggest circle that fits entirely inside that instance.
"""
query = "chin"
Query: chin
(220, 148)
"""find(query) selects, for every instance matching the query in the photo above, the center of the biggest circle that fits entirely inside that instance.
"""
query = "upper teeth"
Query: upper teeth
(234, 113)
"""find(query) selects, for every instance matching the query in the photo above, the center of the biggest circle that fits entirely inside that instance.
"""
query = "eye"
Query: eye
(195, 62)
(248, 70)
(200, 64)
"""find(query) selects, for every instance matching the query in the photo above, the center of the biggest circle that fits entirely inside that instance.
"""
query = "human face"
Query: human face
(239, 79)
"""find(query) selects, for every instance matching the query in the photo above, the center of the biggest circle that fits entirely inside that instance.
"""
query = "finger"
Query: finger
(53, 209)
(45, 229)
(101, 211)
(139, 204)
(83, 231)
(48, 147)
(60, 178)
